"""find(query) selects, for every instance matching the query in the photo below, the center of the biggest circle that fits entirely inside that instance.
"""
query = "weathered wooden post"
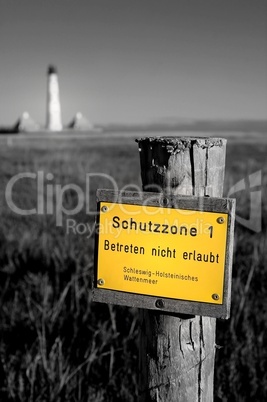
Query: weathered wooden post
(168, 251)
(177, 352)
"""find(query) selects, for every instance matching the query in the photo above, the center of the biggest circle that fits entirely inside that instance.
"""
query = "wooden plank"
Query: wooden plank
(214, 204)
(167, 305)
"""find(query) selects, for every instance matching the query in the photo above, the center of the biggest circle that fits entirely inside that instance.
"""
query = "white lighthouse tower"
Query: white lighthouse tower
(53, 116)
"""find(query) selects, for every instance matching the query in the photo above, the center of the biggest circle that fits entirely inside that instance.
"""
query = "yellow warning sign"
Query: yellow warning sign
(163, 252)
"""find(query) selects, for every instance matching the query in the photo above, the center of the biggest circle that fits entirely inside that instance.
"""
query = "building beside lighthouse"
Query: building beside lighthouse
(26, 124)
(53, 111)
(80, 123)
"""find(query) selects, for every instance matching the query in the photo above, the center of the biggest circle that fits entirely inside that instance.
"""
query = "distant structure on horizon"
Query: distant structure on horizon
(53, 112)
(25, 124)
(53, 123)
(79, 122)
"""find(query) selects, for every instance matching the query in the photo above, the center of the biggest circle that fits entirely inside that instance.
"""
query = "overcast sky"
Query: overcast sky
(135, 61)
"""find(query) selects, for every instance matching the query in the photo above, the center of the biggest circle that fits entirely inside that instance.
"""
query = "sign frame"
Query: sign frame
(166, 304)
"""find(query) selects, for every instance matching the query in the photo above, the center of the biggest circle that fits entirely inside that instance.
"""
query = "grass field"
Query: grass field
(55, 344)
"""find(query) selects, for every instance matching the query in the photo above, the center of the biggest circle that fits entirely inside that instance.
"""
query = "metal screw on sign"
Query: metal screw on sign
(215, 296)
(159, 303)
(220, 219)
(164, 201)
(104, 208)
(101, 282)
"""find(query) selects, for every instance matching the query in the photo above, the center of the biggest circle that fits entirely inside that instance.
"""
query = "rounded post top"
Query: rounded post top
(51, 69)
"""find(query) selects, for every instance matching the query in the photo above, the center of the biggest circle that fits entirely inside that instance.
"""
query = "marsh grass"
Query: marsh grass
(55, 344)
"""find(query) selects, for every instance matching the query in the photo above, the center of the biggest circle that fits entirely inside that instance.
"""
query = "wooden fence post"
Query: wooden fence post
(177, 353)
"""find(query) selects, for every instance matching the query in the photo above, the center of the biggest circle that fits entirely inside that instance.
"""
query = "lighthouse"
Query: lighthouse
(53, 116)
